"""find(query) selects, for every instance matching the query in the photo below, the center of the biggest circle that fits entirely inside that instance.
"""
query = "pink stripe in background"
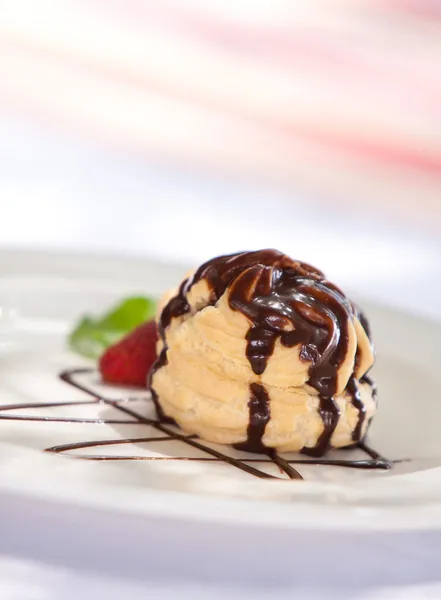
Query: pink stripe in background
(426, 8)
(287, 46)
(357, 87)
(379, 151)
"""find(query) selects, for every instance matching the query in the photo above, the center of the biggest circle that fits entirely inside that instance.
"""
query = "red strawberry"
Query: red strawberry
(128, 361)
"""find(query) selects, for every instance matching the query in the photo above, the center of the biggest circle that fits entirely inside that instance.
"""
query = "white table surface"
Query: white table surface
(58, 194)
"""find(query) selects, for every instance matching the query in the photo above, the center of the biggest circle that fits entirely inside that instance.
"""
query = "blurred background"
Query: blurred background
(185, 128)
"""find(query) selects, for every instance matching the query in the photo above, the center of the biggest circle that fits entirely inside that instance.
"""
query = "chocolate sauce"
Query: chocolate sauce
(372, 453)
(283, 300)
(354, 391)
(160, 362)
(12, 407)
(284, 465)
(330, 414)
(171, 434)
(69, 377)
(259, 417)
(292, 473)
(95, 444)
(176, 307)
(62, 420)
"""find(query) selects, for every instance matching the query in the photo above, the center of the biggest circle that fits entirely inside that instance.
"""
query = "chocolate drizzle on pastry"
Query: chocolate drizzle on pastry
(284, 300)
(259, 417)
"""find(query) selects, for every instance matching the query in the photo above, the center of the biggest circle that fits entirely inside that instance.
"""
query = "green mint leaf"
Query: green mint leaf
(130, 313)
(91, 336)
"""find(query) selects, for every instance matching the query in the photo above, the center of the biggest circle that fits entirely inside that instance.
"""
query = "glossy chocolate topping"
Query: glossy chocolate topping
(286, 300)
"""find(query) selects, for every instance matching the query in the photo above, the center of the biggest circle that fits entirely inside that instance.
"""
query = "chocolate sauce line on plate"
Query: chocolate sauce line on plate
(376, 461)
(67, 376)
(44, 405)
(93, 444)
(358, 464)
(219, 455)
(284, 300)
(370, 451)
(284, 465)
(13, 407)
(64, 419)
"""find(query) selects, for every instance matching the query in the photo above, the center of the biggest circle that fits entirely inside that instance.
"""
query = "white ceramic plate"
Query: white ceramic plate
(41, 295)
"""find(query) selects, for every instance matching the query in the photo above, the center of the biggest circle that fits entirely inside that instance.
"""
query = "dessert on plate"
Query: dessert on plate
(255, 350)
(262, 352)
